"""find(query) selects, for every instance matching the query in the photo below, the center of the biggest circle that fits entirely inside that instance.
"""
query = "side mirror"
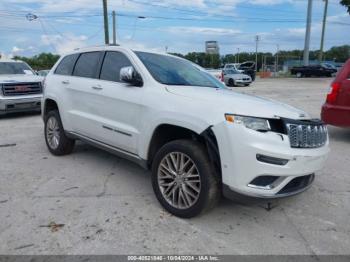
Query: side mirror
(129, 75)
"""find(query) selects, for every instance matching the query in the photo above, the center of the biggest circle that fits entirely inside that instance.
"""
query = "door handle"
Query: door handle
(97, 87)
(65, 82)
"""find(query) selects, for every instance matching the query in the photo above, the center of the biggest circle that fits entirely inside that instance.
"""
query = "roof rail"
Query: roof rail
(85, 47)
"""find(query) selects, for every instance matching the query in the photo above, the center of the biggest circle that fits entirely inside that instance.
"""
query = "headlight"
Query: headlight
(257, 124)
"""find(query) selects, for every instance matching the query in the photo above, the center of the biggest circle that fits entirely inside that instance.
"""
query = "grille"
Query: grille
(304, 135)
(17, 89)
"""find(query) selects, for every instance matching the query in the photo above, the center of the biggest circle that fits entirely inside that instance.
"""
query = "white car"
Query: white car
(235, 78)
(198, 137)
(20, 88)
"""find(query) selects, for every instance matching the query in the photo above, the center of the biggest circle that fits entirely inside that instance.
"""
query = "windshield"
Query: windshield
(170, 70)
(15, 68)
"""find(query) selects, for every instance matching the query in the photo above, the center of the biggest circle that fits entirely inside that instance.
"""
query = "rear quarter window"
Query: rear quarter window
(66, 66)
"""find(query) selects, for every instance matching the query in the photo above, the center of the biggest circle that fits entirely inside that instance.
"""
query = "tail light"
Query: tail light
(333, 93)
(222, 76)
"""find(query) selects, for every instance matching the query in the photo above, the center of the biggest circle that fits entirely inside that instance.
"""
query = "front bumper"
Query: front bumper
(243, 82)
(239, 148)
(20, 104)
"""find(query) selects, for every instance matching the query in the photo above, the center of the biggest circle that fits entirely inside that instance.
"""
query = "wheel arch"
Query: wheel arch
(165, 133)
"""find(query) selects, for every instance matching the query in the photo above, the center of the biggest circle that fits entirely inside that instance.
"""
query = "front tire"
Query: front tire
(231, 82)
(184, 180)
(56, 140)
(299, 75)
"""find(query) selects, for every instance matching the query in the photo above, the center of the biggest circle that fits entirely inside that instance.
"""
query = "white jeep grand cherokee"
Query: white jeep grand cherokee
(199, 138)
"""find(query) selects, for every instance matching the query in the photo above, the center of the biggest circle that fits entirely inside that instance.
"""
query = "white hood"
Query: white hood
(236, 103)
(20, 78)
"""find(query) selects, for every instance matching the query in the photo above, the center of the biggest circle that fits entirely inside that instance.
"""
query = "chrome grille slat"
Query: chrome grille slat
(17, 89)
(307, 135)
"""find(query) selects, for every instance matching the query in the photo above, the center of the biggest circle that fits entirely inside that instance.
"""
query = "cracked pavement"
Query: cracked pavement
(106, 204)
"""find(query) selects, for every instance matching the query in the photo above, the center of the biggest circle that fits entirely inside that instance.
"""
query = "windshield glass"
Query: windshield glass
(14, 68)
(170, 70)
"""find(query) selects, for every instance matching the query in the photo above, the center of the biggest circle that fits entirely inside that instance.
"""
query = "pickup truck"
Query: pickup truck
(20, 88)
(199, 139)
(313, 70)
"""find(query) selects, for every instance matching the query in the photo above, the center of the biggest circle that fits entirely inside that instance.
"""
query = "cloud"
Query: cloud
(213, 31)
(64, 43)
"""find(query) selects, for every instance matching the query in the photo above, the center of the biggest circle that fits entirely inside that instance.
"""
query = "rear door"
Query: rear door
(82, 90)
(120, 110)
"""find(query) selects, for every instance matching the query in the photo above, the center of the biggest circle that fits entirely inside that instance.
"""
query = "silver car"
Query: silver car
(234, 78)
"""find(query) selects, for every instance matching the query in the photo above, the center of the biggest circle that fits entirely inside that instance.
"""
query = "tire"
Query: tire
(57, 143)
(246, 84)
(202, 182)
(231, 82)
(299, 75)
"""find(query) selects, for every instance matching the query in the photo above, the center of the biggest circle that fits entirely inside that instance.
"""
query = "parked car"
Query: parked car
(43, 72)
(247, 68)
(199, 138)
(336, 110)
(234, 78)
(20, 88)
(313, 70)
(217, 73)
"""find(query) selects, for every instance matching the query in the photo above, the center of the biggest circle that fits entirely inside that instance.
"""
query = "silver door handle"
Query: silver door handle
(65, 82)
(98, 87)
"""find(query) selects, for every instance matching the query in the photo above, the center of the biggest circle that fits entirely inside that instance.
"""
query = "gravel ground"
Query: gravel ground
(92, 202)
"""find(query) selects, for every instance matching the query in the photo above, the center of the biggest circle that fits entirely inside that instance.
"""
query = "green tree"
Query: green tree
(41, 61)
(346, 3)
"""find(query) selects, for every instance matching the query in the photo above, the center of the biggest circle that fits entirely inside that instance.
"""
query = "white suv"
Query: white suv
(198, 137)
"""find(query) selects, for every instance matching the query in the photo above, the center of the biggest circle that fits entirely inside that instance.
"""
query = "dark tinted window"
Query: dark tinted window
(112, 64)
(87, 64)
(66, 65)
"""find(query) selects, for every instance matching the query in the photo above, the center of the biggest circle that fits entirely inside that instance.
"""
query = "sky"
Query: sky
(179, 26)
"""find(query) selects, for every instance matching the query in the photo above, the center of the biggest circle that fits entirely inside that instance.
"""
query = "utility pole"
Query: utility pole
(307, 33)
(278, 49)
(114, 28)
(237, 55)
(105, 21)
(320, 55)
(256, 52)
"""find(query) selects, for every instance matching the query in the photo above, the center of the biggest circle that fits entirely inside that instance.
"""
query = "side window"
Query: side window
(65, 67)
(87, 64)
(112, 64)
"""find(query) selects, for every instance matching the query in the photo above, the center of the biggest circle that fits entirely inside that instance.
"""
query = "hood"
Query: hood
(20, 78)
(229, 101)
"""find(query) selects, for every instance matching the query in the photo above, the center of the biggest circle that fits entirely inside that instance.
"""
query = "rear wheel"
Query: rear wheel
(183, 179)
(56, 140)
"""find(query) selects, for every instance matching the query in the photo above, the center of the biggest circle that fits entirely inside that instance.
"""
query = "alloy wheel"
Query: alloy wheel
(179, 180)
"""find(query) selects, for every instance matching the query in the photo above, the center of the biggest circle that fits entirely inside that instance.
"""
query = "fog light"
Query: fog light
(271, 160)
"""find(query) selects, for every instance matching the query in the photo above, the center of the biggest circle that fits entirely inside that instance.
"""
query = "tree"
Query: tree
(346, 3)
(41, 61)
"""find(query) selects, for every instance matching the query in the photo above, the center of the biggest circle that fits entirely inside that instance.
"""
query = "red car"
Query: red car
(336, 110)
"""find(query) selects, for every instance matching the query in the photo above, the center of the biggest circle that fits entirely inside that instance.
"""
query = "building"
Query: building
(212, 47)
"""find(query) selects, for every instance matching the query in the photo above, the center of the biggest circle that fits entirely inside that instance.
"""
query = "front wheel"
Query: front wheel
(56, 140)
(299, 75)
(231, 82)
(183, 179)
